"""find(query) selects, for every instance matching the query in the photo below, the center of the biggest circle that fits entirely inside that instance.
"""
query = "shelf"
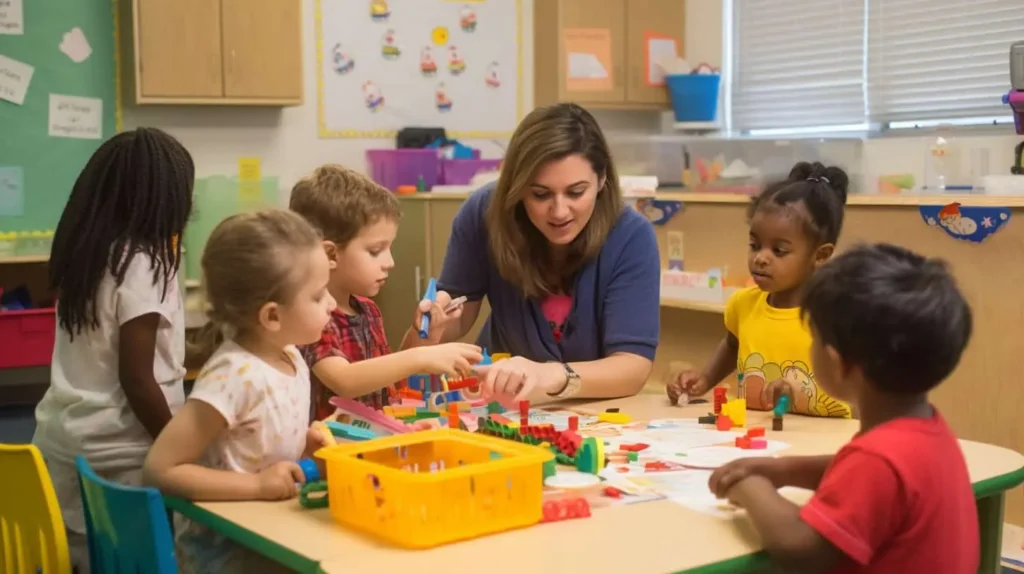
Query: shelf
(24, 259)
(703, 306)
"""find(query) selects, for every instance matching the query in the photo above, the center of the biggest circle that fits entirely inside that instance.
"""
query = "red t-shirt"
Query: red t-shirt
(898, 499)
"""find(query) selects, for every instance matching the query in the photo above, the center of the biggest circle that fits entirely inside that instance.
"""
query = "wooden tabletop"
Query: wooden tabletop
(659, 536)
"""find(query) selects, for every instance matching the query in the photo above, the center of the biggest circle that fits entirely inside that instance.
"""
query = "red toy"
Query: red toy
(565, 509)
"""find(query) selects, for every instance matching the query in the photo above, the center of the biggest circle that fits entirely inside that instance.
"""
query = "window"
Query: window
(836, 65)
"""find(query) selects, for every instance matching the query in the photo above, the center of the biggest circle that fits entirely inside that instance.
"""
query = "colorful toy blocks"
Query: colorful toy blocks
(565, 509)
(614, 417)
(754, 439)
(736, 410)
(723, 423)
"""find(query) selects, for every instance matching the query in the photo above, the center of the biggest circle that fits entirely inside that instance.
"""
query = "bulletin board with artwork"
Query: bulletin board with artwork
(58, 102)
(383, 65)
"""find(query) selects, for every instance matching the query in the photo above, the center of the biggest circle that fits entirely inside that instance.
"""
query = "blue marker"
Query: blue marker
(430, 295)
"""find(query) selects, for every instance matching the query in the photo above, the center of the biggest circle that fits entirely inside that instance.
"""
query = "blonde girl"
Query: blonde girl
(246, 423)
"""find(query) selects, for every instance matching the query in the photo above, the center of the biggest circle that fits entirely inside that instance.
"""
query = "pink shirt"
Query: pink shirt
(556, 310)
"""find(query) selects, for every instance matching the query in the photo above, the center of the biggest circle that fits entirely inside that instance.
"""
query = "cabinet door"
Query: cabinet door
(586, 28)
(408, 279)
(262, 49)
(178, 48)
(648, 23)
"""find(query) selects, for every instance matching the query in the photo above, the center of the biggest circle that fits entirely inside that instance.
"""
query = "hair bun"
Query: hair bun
(835, 177)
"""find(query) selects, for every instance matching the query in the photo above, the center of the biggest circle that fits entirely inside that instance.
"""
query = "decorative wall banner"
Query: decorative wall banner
(658, 211)
(965, 222)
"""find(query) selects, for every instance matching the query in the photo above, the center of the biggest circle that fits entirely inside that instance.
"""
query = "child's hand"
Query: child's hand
(280, 481)
(727, 476)
(439, 319)
(689, 383)
(423, 424)
(452, 359)
(315, 440)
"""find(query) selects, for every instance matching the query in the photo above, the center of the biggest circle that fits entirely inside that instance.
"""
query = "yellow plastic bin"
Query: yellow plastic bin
(425, 489)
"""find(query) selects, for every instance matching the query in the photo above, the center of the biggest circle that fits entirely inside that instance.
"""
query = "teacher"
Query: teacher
(572, 275)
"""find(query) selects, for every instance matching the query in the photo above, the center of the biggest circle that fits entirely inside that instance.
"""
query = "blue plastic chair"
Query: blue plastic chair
(127, 526)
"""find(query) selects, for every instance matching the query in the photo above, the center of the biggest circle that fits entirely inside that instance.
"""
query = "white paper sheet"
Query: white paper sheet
(76, 117)
(74, 45)
(11, 17)
(583, 65)
(15, 77)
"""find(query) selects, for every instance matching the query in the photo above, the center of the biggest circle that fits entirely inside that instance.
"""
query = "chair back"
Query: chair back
(127, 526)
(32, 535)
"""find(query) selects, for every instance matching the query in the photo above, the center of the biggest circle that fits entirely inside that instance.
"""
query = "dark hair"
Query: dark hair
(519, 250)
(821, 190)
(896, 314)
(134, 195)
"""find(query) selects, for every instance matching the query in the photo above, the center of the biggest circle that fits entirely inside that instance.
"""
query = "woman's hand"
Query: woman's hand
(512, 380)
(439, 319)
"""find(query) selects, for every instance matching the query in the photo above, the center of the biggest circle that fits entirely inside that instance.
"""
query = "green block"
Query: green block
(632, 456)
(494, 408)
(550, 468)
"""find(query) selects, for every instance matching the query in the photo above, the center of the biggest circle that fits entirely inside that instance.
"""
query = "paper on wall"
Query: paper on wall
(12, 191)
(74, 45)
(11, 17)
(76, 117)
(661, 52)
(14, 79)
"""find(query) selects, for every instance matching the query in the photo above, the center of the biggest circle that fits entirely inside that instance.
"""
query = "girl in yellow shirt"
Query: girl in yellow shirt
(794, 226)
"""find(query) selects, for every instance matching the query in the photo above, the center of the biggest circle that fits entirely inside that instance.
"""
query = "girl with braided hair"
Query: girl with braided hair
(118, 361)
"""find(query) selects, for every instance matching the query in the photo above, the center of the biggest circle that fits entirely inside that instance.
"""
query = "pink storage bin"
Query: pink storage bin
(461, 171)
(396, 167)
(27, 337)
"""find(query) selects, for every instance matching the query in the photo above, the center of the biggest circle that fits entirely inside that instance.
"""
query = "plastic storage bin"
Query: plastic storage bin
(694, 96)
(396, 167)
(424, 489)
(461, 171)
(27, 337)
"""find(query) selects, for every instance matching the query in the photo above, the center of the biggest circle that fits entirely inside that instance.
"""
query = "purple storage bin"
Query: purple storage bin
(395, 167)
(461, 171)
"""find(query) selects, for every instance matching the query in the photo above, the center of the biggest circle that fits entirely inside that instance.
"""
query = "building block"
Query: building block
(494, 408)
(723, 423)
(706, 420)
(524, 413)
(574, 423)
(590, 456)
(754, 432)
(466, 383)
(632, 456)
(743, 442)
(634, 447)
(736, 410)
(614, 418)
(758, 443)
(565, 509)
(776, 423)
(719, 399)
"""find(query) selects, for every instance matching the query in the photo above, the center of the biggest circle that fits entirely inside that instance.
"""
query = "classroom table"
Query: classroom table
(656, 537)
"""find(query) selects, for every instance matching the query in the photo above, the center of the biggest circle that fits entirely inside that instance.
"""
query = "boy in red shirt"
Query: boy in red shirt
(358, 220)
(888, 326)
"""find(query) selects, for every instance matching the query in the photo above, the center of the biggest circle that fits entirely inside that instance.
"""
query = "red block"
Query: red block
(633, 447)
(743, 442)
(754, 432)
(719, 399)
(723, 423)
(466, 383)
(574, 423)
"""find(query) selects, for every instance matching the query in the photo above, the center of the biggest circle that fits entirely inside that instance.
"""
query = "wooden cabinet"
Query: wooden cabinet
(419, 254)
(212, 52)
(607, 40)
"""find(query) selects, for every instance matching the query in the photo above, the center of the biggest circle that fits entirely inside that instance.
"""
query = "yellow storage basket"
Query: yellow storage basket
(424, 489)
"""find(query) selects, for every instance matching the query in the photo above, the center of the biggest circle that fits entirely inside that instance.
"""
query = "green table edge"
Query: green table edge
(760, 560)
(243, 536)
(295, 561)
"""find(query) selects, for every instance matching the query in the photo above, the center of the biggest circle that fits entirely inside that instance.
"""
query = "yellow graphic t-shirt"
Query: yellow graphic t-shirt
(775, 352)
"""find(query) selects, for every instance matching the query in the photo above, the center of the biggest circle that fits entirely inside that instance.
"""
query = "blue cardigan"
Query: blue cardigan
(616, 295)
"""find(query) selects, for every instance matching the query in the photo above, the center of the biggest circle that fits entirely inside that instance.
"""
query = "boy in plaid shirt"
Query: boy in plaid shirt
(358, 220)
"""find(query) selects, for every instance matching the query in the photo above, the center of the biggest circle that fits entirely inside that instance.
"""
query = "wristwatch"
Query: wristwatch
(572, 384)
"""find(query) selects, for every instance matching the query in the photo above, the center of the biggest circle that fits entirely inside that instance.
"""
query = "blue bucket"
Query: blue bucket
(694, 96)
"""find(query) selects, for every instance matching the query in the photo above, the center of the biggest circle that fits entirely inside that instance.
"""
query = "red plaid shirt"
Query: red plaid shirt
(353, 338)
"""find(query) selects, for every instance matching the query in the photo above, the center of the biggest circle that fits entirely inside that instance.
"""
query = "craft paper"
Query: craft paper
(75, 46)
(661, 53)
(11, 17)
(250, 188)
(589, 52)
(76, 117)
(967, 223)
(14, 79)
(12, 191)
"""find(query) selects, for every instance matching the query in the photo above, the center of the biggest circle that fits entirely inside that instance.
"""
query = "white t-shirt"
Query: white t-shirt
(85, 410)
(267, 414)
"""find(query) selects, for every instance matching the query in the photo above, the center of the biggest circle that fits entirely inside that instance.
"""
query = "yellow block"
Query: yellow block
(736, 410)
(616, 418)
(500, 357)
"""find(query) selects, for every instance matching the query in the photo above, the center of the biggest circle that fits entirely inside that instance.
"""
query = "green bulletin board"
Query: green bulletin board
(70, 46)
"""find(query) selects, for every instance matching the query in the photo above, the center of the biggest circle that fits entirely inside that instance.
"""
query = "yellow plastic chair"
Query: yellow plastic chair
(32, 536)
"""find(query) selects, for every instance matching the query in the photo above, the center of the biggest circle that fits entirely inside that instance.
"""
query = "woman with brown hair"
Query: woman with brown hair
(572, 275)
